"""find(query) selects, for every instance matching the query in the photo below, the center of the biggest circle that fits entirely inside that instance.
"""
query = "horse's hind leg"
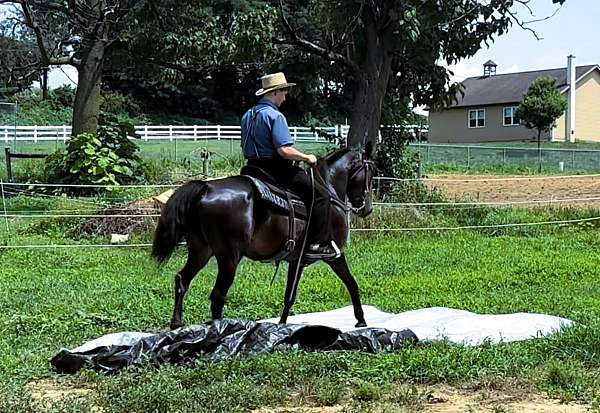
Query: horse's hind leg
(340, 267)
(227, 264)
(198, 256)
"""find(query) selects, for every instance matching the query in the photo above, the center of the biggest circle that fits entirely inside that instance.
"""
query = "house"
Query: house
(486, 112)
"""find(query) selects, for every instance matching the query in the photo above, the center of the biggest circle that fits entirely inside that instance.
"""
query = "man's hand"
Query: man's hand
(311, 159)
(293, 154)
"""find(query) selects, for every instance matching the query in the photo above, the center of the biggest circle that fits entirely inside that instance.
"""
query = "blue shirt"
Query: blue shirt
(264, 129)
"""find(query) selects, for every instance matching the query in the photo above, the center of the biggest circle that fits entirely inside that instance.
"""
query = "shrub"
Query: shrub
(106, 158)
(393, 157)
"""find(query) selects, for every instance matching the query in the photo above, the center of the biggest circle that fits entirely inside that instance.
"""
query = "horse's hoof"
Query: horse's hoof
(175, 326)
(361, 324)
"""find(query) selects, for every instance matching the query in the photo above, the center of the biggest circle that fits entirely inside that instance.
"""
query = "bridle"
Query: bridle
(368, 166)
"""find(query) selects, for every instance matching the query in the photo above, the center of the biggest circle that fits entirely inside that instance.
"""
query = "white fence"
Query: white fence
(162, 132)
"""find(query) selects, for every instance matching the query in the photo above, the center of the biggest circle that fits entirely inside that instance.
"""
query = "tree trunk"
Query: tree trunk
(44, 83)
(370, 88)
(86, 108)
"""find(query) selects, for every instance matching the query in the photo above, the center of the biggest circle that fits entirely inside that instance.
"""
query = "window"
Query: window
(510, 116)
(477, 118)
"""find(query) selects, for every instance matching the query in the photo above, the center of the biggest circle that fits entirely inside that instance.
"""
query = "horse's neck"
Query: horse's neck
(336, 176)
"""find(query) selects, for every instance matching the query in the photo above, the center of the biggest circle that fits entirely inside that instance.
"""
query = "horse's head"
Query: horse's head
(361, 171)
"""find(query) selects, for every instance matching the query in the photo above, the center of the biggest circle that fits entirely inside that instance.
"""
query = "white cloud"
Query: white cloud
(510, 69)
(463, 70)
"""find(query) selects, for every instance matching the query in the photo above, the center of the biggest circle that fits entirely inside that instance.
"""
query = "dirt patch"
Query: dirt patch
(320, 409)
(502, 188)
(447, 399)
(54, 391)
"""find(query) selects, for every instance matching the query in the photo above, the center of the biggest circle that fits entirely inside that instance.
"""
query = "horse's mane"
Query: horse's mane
(332, 157)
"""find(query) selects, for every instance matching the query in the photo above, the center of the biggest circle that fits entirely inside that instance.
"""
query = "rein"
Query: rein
(368, 166)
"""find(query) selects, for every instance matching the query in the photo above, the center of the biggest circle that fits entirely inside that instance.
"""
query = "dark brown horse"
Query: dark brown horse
(222, 218)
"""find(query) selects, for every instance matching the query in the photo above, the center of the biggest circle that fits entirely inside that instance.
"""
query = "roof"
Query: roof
(510, 87)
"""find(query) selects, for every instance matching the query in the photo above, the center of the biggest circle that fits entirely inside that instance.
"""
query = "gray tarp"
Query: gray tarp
(220, 339)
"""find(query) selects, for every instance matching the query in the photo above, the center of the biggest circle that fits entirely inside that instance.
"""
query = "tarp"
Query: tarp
(220, 339)
(330, 330)
(441, 323)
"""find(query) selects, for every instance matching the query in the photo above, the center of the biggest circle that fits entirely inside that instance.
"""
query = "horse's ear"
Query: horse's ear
(369, 150)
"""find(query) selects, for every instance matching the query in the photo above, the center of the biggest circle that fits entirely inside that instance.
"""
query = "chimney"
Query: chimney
(489, 68)
(570, 129)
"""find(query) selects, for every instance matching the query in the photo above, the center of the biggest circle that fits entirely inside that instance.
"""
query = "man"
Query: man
(267, 144)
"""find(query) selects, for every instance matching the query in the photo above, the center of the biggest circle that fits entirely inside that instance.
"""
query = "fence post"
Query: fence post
(8, 165)
(195, 133)
(468, 157)
(504, 157)
(146, 133)
(218, 132)
(171, 133)
(4, 205)
(175, 145)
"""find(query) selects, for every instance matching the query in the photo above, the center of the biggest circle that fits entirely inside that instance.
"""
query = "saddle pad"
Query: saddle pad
(277, 198)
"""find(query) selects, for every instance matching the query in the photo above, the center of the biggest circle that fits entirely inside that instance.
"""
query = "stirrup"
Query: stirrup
(325, 257)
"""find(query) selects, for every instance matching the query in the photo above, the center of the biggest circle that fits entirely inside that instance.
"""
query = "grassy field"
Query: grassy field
(185, 154)
(53, 298)
(510, 158)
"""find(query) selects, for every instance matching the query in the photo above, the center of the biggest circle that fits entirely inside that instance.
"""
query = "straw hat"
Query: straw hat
(273, 82)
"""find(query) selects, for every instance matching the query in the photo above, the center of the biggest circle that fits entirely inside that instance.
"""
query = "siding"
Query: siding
(587, 105)
(587, 118)
(451, 125)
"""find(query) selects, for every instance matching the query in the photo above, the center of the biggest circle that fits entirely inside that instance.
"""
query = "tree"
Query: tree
(211, 54)
(78, 33)
(393, 45)
(16, 54)
(541, 106)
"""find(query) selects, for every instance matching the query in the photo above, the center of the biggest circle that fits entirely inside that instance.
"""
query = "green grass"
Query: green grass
(62, 298)
(184, 156)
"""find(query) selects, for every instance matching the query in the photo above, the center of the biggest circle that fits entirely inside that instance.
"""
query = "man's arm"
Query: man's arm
(293, 154)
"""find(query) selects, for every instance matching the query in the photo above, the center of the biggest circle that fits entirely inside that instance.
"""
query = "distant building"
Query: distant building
(486, 112)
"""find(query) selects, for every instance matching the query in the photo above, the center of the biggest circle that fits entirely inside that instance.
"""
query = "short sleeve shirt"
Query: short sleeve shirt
(264, 130)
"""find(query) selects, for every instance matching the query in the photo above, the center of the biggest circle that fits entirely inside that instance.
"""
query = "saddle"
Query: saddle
(280, 199)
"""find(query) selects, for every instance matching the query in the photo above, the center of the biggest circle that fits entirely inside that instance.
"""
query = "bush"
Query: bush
(106, 158)
(393, 157)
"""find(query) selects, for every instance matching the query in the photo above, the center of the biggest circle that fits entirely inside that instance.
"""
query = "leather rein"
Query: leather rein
(367, 165)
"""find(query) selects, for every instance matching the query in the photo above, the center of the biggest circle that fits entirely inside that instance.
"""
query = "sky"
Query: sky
(575, 29)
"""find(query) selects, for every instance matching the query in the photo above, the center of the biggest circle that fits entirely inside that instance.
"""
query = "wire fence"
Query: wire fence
(502, 157)
(93, 210)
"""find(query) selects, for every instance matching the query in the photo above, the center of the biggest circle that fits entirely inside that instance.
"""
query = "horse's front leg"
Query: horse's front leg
(291, 288)
(340, 267)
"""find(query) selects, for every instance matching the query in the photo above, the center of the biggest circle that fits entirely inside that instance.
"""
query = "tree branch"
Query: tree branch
(39, 37)
(313, 47)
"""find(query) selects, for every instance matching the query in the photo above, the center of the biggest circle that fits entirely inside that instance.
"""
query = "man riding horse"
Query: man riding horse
(231, 218)
(267, 144)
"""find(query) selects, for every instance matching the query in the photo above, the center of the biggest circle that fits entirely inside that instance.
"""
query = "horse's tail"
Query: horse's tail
(176, 219)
